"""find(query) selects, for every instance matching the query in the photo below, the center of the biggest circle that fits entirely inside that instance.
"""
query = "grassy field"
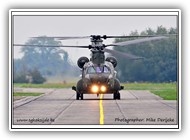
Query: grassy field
(168, 91)
(26, 94)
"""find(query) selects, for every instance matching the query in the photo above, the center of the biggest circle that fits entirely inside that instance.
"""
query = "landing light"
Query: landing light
(103, 88)
(95, 88)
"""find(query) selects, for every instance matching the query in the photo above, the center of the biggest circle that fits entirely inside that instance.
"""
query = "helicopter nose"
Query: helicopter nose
(98, 88)
(99, 78)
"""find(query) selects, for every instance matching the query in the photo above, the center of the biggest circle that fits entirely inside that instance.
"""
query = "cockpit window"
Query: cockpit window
(106, 69)
(93, 70)
(99, 69)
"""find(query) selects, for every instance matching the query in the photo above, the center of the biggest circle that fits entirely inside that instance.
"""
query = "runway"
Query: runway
(60, 107)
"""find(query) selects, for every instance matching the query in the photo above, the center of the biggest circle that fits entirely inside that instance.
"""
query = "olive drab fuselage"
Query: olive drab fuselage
(105, 76)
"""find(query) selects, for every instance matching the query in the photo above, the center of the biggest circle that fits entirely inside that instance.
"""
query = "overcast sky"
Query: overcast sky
(29, 26)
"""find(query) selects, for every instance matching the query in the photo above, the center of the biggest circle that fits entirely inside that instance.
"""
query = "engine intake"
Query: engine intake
(112, 60)
(81, 61)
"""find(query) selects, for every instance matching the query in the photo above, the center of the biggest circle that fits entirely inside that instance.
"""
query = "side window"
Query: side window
(106, 69)
(91, 70)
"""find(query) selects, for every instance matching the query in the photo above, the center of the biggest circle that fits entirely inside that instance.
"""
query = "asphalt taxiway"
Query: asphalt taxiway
(59, 106)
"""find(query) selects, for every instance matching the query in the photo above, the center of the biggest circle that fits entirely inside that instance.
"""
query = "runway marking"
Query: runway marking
(101, 110)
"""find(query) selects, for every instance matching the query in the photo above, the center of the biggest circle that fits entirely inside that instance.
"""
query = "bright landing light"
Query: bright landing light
(95, 89)
(103, 89)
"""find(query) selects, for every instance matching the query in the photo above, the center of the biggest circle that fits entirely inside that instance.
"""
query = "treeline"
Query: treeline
(160, 58)
(159, 65)
(38, 63)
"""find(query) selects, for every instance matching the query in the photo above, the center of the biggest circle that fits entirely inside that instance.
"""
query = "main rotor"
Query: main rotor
(97, 43)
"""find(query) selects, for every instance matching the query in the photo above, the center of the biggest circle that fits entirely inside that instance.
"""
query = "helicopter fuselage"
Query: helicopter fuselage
(98, 74)
(98, 79)
(101, 76)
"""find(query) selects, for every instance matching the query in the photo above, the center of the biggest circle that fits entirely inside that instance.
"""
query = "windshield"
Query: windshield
(93, 70)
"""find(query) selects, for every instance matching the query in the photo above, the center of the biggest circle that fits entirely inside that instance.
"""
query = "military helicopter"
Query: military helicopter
(98, 72)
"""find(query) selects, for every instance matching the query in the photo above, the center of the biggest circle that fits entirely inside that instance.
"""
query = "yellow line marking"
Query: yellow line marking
(101, 110)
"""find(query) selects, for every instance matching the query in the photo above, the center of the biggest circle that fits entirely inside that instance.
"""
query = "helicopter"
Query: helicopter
(98, 73)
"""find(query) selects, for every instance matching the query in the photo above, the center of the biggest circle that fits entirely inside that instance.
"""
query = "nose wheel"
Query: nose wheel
(116, 96)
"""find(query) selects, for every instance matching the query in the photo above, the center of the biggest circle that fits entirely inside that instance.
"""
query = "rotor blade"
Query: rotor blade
(137, 36)
(137, 41)
(63, 37)
(126, 55)
(105, 36)
(50, 46)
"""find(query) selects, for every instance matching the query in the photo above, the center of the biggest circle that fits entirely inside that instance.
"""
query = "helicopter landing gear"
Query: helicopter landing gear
(116, 96)
(79, 96)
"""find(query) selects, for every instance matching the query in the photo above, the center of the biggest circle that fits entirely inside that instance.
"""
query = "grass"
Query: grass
(150, 86)
(26, 94)
(167, 91)
(166, 94)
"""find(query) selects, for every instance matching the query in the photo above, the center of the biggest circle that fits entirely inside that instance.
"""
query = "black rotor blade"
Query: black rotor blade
(63, 37)
(136, 36)
(105, 36)
(50, 46)
(137, 41)
(126, 55)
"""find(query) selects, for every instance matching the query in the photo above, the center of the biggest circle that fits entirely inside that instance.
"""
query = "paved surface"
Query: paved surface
(58, 106)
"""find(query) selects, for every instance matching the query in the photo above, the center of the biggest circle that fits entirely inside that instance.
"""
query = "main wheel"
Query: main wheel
(81, 96)
(116, 96)
(77, 96)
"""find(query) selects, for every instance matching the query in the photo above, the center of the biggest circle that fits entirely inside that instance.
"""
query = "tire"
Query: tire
(116, 96)
(77, 96)
(81, 96)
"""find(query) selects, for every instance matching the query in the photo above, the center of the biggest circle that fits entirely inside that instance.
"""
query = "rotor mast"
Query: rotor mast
(97, 49)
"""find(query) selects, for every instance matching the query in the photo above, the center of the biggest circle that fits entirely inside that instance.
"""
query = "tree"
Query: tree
(49, 60)
(36, 76)
(20, 71)
(160, 63)
(24, 75)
